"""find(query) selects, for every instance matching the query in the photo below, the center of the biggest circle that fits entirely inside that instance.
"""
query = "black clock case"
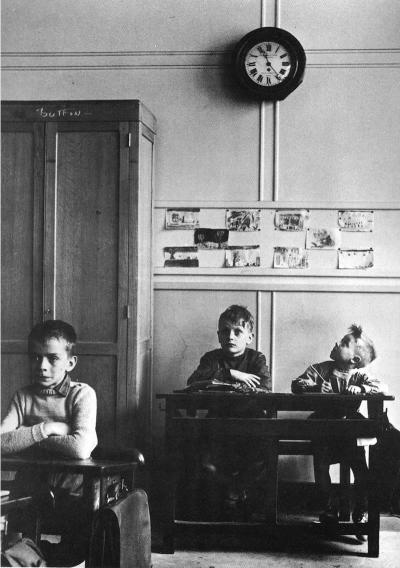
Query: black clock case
(294, 47)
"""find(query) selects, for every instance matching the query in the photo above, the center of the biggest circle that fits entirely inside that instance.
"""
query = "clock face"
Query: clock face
(268, 63)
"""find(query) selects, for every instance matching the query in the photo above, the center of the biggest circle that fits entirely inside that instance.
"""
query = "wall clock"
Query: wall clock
(269, 63)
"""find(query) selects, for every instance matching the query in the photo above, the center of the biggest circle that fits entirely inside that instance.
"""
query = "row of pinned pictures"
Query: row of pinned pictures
(284, 257)
(352, 221)
(295, 257)
(235, 256)
(285, 220)
(235, 219)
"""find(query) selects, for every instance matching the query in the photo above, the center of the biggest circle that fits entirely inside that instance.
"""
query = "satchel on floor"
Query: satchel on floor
(122, 535)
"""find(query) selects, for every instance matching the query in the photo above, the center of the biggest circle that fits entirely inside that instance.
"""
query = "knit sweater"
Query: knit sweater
(32, 406)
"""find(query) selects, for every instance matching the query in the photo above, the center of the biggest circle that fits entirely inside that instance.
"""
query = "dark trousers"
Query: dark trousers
(60, 508)
(346, 452)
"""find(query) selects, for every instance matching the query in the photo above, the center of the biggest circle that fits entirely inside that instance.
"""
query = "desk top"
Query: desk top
(90, 467)
(312, 396)
(272, 401)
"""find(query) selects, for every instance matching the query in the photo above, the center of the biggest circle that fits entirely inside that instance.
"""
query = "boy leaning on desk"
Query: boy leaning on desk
(344, 373)
(232, 467)
(53, 416)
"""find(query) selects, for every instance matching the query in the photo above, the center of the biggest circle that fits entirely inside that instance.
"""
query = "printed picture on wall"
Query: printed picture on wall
(322, 238)
(243, 220)
(356, 221)
(180, 256)
(211, 238)
(182, 218)
(290, 257)
(355, 258)
(242, 256)
(292, 220)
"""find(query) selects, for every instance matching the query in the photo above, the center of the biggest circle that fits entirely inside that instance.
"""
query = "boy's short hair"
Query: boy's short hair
(53, 329)
(238, 315)
(364, 345)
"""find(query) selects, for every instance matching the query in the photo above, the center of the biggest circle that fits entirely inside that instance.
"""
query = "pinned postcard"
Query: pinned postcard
(242, 256)
(290, 257)
(292, 220)
(362, 221)
(211, 238)
(182, 218)
(322, 238)
(243, 220)
(180, 256)
(356, 258)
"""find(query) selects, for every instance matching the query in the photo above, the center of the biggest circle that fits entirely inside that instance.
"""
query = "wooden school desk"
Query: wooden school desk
(186, 420)
(98, 475)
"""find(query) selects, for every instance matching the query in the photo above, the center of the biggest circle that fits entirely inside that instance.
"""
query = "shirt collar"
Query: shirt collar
(63, 388)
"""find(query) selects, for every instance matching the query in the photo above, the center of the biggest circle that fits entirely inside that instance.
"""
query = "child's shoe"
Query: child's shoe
(360, 517)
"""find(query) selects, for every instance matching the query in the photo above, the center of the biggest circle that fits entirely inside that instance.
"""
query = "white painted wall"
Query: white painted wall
(331, 144)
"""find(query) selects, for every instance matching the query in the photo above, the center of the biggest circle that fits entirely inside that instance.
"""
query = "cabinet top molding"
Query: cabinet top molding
(79, 111)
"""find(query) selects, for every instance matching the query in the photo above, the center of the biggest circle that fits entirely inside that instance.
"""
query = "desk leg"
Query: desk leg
(373, 506)
(91, 497)
(171, 459)
(271, 490)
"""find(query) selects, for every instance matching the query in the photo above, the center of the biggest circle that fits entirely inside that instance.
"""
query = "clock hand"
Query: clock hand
(270, 66)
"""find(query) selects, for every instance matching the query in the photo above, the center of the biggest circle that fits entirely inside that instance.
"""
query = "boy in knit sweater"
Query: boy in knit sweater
(52, 416)
(344, 373)
(235, 466)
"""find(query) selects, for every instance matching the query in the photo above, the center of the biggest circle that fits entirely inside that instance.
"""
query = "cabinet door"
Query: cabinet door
(86, 254)
(21, 248)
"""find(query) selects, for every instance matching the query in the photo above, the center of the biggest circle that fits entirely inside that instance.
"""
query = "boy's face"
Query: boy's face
(234, 338)
(50, 361)
(344, 352)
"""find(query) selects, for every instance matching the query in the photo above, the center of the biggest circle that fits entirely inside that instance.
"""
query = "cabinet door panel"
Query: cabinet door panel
(21, 180)
(87, 179)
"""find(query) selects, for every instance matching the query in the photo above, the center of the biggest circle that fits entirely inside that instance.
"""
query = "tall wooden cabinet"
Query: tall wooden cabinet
(77, 182)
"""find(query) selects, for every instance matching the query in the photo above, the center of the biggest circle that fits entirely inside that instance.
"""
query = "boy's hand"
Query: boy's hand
(326, 387)
(354, 389)
(305, 383)
(250, 380)
(56, 429)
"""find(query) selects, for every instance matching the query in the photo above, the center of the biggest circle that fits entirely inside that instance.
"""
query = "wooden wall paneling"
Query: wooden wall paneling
(173, 20)
(376, 23)
(336, 142)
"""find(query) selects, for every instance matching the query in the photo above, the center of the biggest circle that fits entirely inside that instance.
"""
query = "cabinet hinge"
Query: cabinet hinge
(127, 311)
(129, 139)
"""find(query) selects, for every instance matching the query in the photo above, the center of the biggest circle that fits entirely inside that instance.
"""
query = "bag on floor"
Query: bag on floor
(23, 552)
(122, 535)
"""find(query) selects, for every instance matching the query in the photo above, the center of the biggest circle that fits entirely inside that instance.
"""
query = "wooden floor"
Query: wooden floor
(342, 552)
